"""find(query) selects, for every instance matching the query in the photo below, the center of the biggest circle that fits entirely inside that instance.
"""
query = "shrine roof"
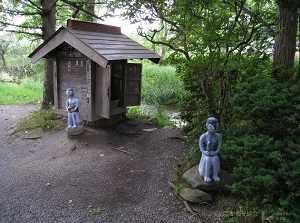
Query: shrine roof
(99, 42)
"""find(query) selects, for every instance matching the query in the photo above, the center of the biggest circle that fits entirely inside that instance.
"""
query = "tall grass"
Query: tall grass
(161, 85)
(28, 91)
(146, 112)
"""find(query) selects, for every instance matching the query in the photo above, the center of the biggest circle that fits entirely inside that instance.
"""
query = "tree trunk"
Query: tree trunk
(2, 63)
(299, 47)
(49, 22)
(285, 40)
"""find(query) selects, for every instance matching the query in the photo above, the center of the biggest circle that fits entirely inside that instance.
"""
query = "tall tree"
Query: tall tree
(286, 37)
(39, 22)
(210, 41)
(4, 43)
(48, 28)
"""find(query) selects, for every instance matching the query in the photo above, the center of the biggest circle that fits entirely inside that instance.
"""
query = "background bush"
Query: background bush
(19, 65)
(195, 106)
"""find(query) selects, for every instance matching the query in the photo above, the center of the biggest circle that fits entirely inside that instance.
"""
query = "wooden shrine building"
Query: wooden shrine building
(92, 59)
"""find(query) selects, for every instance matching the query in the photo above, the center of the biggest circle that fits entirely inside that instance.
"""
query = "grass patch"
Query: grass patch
(178, 181)
(96, 210)
(191, 159)
(28, 91)
(146, 112)
(40, 121)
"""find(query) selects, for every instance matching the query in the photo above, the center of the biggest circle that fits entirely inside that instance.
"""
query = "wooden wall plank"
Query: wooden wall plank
(89, 89)
(102, 96)
(71, 76)
(133, 81)
(55, 83)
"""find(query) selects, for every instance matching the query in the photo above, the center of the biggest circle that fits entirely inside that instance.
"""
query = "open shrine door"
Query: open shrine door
(103, 91)
(133, 84)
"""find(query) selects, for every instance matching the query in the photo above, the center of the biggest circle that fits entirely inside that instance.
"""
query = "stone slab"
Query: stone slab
(75, 131)
(192, 176)
(194, 195)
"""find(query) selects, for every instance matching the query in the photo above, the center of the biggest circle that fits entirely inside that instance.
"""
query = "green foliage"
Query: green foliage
(214, 44)
(161, 85)
(43, 119)
(204, 82)
(96, 210)
(219, 51)
(21, 70)
(244, 214)
(30, 12)
(146, 112)
(19, 65)
(294, 4)
(183, 184)
(263, 143)
(191, 159)
(28, 91)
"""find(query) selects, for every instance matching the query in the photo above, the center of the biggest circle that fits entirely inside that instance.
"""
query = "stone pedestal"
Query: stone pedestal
(75, 131)
(192, 176)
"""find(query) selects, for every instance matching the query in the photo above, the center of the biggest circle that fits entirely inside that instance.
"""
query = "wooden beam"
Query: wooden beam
(75, 24)
(48, 46)
(55, 83)
(65, 36)
(89, 89)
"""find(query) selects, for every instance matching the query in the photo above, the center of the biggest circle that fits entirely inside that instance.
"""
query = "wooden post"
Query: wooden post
(88, 89)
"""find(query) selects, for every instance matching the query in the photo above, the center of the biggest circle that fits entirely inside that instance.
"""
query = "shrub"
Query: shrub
(210, 81)
(263, 143)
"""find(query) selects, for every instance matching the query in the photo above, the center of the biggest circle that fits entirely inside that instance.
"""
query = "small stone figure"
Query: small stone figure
(72, 106)
(210, 144)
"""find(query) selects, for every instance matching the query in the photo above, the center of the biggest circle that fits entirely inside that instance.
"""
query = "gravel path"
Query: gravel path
(89, 178)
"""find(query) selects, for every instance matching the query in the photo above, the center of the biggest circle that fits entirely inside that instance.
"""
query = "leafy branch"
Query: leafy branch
(79, 7)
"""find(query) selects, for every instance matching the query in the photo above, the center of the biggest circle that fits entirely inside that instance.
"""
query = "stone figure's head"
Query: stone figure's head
(70, 92)
(212, 124)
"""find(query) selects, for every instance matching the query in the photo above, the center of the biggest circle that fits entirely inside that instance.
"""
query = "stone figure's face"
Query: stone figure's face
(70, 92)
(212, 124)
(211, 128)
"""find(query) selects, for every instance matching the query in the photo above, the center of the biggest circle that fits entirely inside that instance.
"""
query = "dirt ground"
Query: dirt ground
(114, 174)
